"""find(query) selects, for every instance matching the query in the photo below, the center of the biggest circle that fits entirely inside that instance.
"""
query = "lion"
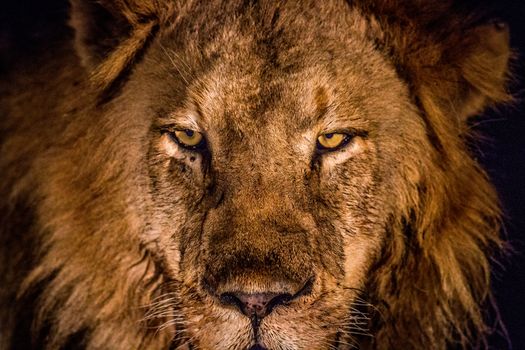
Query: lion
(250, 175)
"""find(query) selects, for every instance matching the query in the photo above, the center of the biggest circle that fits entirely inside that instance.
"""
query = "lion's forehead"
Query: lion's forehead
(283, 74)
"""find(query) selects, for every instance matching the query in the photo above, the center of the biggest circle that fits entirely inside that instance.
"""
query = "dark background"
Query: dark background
(501, 150)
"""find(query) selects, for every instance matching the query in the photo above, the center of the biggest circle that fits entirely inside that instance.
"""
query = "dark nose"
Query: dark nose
(257, 304)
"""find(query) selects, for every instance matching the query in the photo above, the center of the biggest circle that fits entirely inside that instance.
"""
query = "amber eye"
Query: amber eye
(189, 138)
(332, 141)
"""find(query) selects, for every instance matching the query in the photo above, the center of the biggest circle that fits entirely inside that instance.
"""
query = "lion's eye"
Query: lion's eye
(332, 141)
(189, 138)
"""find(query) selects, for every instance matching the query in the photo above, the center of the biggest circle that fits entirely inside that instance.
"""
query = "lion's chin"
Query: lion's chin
(277, 338)
(333, 344)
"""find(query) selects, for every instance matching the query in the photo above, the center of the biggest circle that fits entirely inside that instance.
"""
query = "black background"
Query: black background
(503, 154)
(502, 149)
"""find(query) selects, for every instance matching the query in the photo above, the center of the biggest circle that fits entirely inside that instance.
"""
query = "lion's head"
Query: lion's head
(267, 175)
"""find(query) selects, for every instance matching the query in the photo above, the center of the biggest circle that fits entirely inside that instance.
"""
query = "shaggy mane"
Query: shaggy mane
(433, 281)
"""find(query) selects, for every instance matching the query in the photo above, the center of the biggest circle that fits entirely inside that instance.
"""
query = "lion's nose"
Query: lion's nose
(257, 304)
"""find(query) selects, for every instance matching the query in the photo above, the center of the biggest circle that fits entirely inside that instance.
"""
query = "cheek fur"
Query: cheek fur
(181, 163)
(358, 251)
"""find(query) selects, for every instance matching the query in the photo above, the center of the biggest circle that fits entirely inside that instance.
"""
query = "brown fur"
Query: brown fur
(115, 237)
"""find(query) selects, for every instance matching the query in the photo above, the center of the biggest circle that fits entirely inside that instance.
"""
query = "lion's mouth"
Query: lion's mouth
(253, 347)
(336, 344)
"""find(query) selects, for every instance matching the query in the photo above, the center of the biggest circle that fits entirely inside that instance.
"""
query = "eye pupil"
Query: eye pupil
(329, 136)
(189, 132)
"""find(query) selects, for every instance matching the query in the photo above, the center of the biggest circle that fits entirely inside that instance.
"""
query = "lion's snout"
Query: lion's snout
(258, 253)
(249, 267)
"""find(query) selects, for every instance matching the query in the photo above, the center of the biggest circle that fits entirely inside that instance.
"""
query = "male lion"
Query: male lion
(250, 175)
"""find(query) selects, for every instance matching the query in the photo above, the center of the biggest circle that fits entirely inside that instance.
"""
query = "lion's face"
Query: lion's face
(251, 175)
(248, 208)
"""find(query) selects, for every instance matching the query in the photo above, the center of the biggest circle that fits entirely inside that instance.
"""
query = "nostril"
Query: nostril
(256, 304)
(231, 299)
(280, 299)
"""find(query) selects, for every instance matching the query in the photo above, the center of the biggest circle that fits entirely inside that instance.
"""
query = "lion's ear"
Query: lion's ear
(454, 58)
(97, 31)
(470, 74)
(110, 33)
(485, 69)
